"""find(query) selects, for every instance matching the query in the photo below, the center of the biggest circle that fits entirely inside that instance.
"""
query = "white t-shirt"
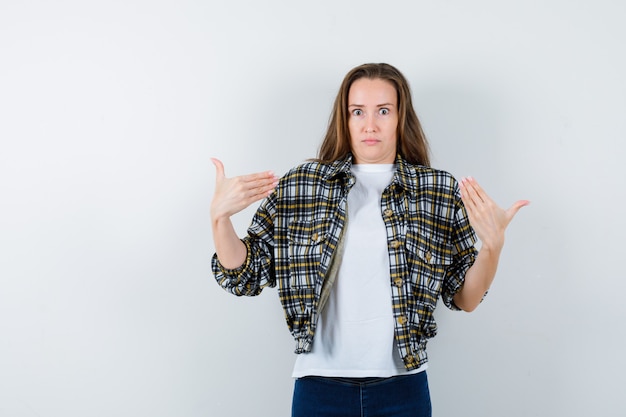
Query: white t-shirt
(355, 332)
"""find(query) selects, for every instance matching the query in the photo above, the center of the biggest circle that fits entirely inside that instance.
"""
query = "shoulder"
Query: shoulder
(439, 175)
(419, 178)
(306, 167)
(306, 183)
(310, 170)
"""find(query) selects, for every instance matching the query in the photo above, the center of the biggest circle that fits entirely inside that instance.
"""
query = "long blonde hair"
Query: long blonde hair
(412, 144)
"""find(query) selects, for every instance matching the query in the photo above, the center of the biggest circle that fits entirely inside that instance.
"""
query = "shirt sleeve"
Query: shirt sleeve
(257, 271)
(464, 249)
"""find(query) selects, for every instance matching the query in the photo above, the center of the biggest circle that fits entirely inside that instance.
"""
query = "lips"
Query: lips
(370, 141)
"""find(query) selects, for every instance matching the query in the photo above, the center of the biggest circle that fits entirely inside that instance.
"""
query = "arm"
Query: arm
(231, 196)
(490, 223)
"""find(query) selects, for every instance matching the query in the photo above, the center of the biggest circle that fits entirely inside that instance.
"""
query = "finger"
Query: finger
(253, 188)
(261, 187)
(265, 188)
(512, 211)
(258, 194)
(477, 189)
(468, 193)
(219, 167)
(259, 178)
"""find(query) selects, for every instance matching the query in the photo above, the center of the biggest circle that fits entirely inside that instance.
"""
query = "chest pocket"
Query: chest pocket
(431, 256)
(306, 242)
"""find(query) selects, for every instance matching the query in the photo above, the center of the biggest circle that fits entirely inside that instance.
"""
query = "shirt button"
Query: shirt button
(428, 256)
(402, 320)
(314, 237)
(398, 282)
(396, 244)
(409, 359)
(387, 213)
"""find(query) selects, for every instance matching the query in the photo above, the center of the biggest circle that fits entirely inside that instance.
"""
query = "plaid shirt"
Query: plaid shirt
(296, 230)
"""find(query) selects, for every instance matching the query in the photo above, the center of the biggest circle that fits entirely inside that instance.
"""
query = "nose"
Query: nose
(370, 125)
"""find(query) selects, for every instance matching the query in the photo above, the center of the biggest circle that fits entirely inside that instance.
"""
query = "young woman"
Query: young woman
(362, 242)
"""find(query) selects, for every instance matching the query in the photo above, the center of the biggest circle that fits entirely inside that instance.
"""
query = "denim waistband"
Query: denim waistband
(355, 381)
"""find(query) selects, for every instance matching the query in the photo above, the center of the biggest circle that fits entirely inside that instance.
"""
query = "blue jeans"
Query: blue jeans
(399, 396)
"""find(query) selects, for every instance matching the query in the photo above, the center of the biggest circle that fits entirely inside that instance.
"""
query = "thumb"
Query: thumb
(512, 211)
(219, 167)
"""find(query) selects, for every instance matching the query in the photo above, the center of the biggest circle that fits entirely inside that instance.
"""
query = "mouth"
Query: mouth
(370, 141)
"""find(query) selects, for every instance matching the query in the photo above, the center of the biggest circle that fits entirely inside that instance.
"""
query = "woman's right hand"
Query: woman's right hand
(235, 194)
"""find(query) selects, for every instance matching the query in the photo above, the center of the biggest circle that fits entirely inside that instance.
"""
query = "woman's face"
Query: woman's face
(373, 121)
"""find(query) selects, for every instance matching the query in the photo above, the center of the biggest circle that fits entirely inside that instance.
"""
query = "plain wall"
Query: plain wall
(110, 111)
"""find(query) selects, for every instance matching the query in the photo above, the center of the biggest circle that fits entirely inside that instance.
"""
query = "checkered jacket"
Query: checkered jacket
(296, 230)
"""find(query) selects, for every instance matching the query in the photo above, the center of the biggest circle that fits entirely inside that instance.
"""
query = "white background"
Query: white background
(110, 111)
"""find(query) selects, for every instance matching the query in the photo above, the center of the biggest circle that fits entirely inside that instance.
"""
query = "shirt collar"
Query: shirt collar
(340, 167)
(404, 177)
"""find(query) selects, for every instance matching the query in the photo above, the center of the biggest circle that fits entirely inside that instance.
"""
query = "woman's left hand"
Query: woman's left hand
(486, 217)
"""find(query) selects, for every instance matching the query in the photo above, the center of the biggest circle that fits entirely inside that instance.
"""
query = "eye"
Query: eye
(357, 112)
(383, 111)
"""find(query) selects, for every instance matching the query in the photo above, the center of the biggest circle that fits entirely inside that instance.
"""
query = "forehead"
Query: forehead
(372, 91)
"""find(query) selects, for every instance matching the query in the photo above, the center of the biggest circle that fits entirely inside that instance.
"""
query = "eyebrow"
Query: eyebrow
(378, 105)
